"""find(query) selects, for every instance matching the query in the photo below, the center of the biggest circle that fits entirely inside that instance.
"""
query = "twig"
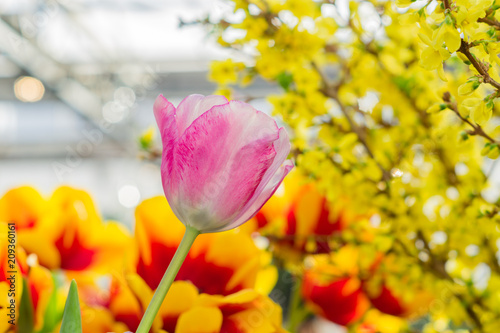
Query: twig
(436, 266)
(480, 67)
(492, 22)
(331, 91)
(477, 129)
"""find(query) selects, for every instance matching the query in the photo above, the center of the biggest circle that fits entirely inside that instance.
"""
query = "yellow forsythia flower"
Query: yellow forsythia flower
(468, 87)
(448, 35)
(477, 109)
(225, 72)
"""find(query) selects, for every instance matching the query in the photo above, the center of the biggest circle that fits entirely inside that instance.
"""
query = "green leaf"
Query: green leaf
(464, 136)
(52, 315)
(26, 320)
(405, 84)
(285, 80)
(72, 318)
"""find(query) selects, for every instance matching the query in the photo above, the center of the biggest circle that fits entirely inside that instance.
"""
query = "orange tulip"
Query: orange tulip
(218, 264)
(300, 220)
(185, 310)
(24, 206)
(12, 267)
(340, 300)
(66, 231)
(388, 301)
(221, 263)
(39, 280)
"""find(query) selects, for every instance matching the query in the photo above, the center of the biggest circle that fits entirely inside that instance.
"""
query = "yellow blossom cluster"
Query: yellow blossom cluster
(393, 105)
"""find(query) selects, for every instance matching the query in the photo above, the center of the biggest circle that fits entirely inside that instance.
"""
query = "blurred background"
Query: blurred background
(78, 79)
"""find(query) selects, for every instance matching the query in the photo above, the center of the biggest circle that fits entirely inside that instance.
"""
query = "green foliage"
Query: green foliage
(26, 317)
(72, 317)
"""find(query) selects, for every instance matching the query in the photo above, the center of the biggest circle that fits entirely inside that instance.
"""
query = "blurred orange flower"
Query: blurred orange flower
(299, 220)
(185, 310)
(345, 288)
(24, 206)
(65, 231)
(41, 287)
(221, 263)
(332, 287)
(340, 300)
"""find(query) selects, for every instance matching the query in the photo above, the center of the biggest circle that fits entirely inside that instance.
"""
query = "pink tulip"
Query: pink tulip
(221, 160)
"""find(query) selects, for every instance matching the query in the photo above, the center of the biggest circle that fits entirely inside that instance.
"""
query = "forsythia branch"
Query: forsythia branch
(480, 67)
(492, 22)
(477, 129)
(436, 266)
(330, 91)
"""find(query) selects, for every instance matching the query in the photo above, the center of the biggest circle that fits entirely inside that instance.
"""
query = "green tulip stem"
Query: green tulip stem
(169, 276)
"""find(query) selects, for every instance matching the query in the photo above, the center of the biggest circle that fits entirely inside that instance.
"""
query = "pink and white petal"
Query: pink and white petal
(282, 147)
(260, 199)
(259, 126)
(194, 106)
(245, 173)
(164, 112)
(218, 178)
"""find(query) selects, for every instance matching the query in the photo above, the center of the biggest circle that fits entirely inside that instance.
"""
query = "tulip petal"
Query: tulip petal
(200, 319)
(221, 160)
(332, 301)
(245, 173)
(259, 199)
(165, 118)
(282, 148)
(229, 169)
(270, 182)
(194, 106)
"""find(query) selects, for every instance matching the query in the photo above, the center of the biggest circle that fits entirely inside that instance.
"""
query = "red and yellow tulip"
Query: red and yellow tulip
(217, 281)
(218, 264)
(299, 220)
(41, 291)
(333, 289)
(347, 290)
(186, 310)
(65, 231)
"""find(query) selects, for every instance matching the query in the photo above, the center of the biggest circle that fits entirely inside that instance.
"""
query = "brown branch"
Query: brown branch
(465, 50)
(470, 312)
(477, 129)
(424, 117)
(331, 91)
(493, 256)
(479, 66)
(436, 266)
(494, 23)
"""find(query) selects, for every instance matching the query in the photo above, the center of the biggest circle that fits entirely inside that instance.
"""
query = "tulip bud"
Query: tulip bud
(221, 160)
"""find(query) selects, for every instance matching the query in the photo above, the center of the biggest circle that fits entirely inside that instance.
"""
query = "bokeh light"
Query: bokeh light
(129, 196)
(29, 89)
